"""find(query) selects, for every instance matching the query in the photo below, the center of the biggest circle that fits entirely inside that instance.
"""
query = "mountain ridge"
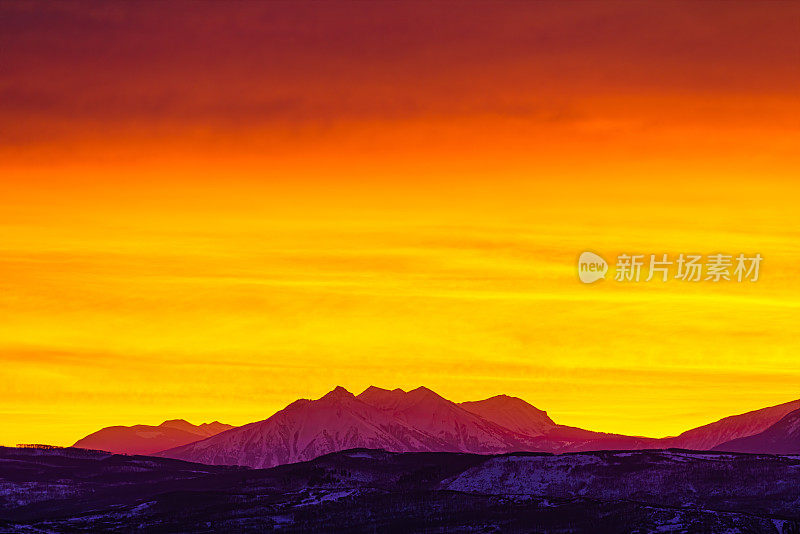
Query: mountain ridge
(420, 420)
(417, 420)
(149, 439)
(732, 427)
(781, 438)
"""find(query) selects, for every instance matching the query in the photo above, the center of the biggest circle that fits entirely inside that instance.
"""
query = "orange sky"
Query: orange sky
(208, 210)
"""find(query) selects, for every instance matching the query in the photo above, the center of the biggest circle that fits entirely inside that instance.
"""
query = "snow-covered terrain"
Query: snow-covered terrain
(376, 491)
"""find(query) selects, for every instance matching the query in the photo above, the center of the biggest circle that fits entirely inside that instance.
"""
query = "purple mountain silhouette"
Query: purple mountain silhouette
(733, 427)
(512, 413)
(398, 421)
(781, 438)
(419, 420)
(147, 439)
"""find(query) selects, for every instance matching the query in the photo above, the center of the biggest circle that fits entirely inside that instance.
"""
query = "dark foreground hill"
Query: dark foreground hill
(70, 490)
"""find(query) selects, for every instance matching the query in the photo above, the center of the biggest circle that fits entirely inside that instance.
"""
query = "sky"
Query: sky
(210, 210)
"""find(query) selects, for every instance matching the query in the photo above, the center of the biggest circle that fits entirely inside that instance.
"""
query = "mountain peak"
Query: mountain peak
(423, 392)
(175, 423)
(179, 424)
(504, 400)
(214, 427)
(382, 398)
(512, 412)
(385, 399)
(375, 390)
(338, 393)
(500, 399)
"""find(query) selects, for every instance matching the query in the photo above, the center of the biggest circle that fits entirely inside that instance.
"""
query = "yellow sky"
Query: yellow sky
(144, 302)
(207, 213)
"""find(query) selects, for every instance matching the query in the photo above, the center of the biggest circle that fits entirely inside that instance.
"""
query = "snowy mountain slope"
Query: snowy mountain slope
(708, 436)
(306, 429)
(512, 413)
(781, 438)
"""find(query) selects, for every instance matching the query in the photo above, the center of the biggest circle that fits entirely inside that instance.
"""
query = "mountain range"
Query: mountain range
(147, 439)
(420, 420)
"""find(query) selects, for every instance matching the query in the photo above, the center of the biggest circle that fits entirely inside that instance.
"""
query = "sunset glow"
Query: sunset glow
(207, 217)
